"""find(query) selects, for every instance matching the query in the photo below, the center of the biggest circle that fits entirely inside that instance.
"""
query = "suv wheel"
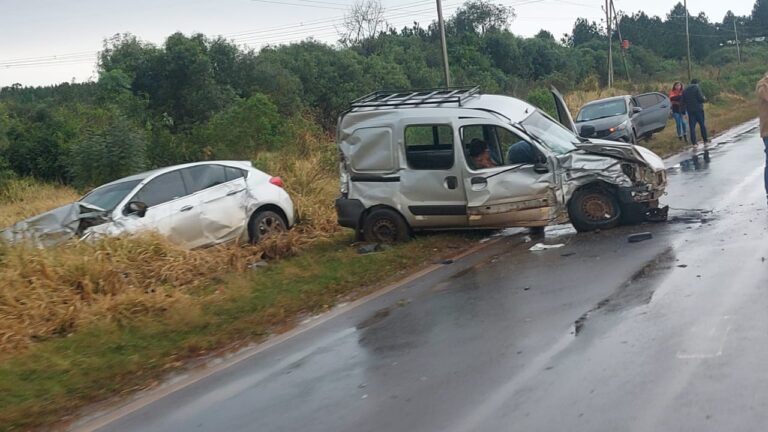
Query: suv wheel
(594, 208)
(385, 226)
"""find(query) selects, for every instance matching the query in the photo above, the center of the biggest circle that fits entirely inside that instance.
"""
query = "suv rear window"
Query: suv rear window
(429, 147)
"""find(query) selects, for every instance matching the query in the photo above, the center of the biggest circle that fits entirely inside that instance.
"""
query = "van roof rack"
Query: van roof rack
(435, 96)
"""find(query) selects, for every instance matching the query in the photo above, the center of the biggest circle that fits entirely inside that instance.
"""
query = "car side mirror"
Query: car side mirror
(540, 167)
(587, 131)
(636, 110)
(136, 207)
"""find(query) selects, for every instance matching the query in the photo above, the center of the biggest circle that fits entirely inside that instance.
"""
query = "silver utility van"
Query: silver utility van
(456, 158)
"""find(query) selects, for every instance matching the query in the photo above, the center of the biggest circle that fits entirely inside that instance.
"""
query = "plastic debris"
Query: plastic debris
(542, 246)
(371, 248)
(258, 265)
(635, 238)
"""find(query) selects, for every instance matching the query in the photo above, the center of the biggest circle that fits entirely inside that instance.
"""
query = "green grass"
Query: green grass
(55, 378)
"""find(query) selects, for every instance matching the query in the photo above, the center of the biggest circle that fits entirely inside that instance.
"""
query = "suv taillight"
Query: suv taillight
(277, 181)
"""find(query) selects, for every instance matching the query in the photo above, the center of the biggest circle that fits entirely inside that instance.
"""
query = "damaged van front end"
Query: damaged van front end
(635, 175)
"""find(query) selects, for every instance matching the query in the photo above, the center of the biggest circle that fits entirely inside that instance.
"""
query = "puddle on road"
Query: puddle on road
(637, 291)
(377, 317)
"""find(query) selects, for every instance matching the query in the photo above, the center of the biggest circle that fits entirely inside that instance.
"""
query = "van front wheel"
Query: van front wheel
(385, 226)
(594, 208)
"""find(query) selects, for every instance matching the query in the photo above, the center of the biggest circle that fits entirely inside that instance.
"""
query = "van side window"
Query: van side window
(505, 147)
(429, 147)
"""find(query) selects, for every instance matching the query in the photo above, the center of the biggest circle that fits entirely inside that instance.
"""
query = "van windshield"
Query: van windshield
(552, 134)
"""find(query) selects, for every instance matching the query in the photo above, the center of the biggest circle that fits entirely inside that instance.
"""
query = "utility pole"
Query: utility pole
(621, 41)
(687, 39)
(610, 43)
(738, 49)
(441, 24)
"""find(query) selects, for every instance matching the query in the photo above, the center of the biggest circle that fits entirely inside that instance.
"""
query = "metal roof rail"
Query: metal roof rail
(435, 96)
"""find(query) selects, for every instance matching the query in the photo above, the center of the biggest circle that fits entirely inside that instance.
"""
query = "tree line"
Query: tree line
(195, 97)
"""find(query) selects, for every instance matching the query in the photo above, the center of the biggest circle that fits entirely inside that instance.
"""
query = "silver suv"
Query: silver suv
(454, 158)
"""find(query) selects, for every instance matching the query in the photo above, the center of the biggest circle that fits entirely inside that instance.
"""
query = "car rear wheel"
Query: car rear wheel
(385, 226)
(594, 208)
(264, 224)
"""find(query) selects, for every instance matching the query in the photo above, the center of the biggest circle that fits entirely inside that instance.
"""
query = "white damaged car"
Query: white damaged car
(193, 205)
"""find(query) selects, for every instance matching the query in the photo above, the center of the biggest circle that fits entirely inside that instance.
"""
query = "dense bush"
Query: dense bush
(711, 90)
(116, 151)
(543, 99)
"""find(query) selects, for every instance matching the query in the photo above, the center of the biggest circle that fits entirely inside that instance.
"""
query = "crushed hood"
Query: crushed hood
(623, 151)
(55, 226)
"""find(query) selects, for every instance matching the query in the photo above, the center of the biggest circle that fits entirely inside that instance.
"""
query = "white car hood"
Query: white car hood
(623, 151)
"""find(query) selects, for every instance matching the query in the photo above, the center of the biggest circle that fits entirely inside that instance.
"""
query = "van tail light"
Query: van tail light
(277, 181)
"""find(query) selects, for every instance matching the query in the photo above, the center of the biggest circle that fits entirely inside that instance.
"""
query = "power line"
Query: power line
(314, 24)
(268, 38)
(299, 4)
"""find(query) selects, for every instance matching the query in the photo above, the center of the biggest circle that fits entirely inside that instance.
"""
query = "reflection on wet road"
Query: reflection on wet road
(597, 335)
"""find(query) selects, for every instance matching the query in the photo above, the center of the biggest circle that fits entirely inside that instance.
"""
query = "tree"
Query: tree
(241, 131)
(364, 21)
(584, 31)
(543, 34)
(103, 155)
(480, 17)
(760, 15)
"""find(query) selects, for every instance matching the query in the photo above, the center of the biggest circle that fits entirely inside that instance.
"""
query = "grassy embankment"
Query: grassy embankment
(82, 322)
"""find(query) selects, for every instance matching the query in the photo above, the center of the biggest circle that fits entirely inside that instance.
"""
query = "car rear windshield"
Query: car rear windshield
(109, 196)
(602, 110)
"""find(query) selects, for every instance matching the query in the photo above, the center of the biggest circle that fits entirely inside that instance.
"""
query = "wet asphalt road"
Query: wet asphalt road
(670, 334)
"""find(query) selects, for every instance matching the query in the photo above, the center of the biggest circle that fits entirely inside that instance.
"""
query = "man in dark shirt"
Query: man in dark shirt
(693, 103)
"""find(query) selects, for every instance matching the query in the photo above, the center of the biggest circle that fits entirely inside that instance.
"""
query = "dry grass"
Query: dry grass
(22, 198)
(55, 292)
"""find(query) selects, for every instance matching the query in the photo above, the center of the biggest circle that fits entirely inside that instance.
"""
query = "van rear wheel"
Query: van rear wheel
(594, 208)
(385, 226)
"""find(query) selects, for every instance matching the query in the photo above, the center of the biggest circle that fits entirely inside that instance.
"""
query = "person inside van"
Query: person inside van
(480, 154)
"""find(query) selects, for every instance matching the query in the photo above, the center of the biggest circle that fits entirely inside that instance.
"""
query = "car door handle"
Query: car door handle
(478, 183)
(186, 208)
(451, 182)
(234, 192)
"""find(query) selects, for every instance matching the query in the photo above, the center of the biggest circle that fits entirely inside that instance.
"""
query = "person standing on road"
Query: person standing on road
(762, 106)
(676, 96)
(693, 104)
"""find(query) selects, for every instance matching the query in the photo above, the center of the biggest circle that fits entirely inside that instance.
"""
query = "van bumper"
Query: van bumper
(629, 195)
(348, 212)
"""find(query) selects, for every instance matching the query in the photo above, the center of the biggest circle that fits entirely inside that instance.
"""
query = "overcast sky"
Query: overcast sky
(51, 41)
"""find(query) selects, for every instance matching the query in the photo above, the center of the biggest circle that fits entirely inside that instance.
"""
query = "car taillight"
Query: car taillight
(277, 181)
